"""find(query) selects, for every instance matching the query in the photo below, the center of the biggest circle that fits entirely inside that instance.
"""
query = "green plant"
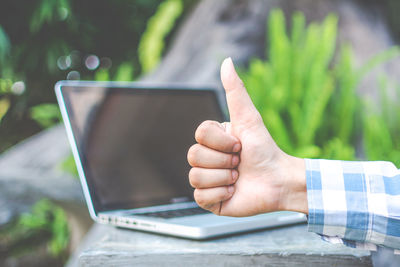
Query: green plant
(4, 47)
(307, 98)
(9, 91)
(69, 166)
(46, 222)
(5, 88)
(158, 27)
(124, 72)
(42, 33)
(48, 12)
(46, 115)
(48, 217)
(382, 124)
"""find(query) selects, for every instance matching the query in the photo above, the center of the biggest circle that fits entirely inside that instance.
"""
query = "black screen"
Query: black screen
(133, 142)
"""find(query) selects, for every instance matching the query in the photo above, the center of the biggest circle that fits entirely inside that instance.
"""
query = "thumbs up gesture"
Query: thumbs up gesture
(237, 168)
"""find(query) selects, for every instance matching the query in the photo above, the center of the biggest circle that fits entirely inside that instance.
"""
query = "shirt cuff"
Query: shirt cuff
(327, 207)
(338, 195)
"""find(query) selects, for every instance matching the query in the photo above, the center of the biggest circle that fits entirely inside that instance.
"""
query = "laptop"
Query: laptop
(130, 142)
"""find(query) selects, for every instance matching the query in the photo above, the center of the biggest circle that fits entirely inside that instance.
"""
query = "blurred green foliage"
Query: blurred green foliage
(69, 166)
(382, 124)
(36, 36)
(48, 12)
(48, 217)
(159, 26)
(4, 46)
(47, 221)
(46, 114)
(307, 98)
(6, 95)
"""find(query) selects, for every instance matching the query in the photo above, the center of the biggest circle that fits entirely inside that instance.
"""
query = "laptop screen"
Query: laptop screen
(133, 142)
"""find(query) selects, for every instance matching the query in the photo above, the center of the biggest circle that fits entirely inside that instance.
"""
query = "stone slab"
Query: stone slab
(31, 170)
(288, 246)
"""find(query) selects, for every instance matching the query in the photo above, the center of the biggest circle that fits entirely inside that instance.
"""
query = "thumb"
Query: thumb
(241, 109)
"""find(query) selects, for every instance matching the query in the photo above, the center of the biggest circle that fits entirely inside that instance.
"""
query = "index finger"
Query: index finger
(213, 135)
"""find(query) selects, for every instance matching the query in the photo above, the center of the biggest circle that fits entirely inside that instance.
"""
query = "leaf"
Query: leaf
(5, 47)
(124, 72)
(381, 127)
(46, 115)
(102, 75)
(308, 100)
(336, 149)
(47, 12)
(69, 166)
(278, 129)
(159, 26)
(308, 152)
(4, 106)
(45, 216)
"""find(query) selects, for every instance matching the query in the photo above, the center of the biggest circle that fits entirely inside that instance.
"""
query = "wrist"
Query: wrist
(294, 188)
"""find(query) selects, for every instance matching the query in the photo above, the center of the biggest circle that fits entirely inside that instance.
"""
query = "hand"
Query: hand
(238, 170)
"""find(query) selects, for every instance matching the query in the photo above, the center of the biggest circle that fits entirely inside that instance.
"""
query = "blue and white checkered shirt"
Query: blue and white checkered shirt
(354, 203)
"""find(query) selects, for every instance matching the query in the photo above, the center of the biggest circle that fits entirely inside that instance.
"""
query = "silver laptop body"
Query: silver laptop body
(129, 142)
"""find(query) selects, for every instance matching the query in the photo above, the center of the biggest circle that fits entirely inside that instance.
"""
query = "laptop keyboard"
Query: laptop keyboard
(167, 214)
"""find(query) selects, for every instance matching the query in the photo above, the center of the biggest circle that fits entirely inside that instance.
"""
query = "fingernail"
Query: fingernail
(236, 147)
(235, 160)
(231, 189)
(235, 175)
(228, 59)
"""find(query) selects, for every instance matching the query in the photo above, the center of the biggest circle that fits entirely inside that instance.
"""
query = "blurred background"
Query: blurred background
(325, 76)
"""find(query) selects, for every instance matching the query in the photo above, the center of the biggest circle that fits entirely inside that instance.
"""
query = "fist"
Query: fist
(237, 169)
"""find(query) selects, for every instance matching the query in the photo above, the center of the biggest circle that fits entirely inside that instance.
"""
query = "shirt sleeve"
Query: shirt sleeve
(354, 203)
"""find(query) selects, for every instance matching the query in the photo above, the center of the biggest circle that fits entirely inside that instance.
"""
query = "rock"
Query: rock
(31, 171)
(385, 257)
(109, 246)
(36, 258)
(6, 213)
